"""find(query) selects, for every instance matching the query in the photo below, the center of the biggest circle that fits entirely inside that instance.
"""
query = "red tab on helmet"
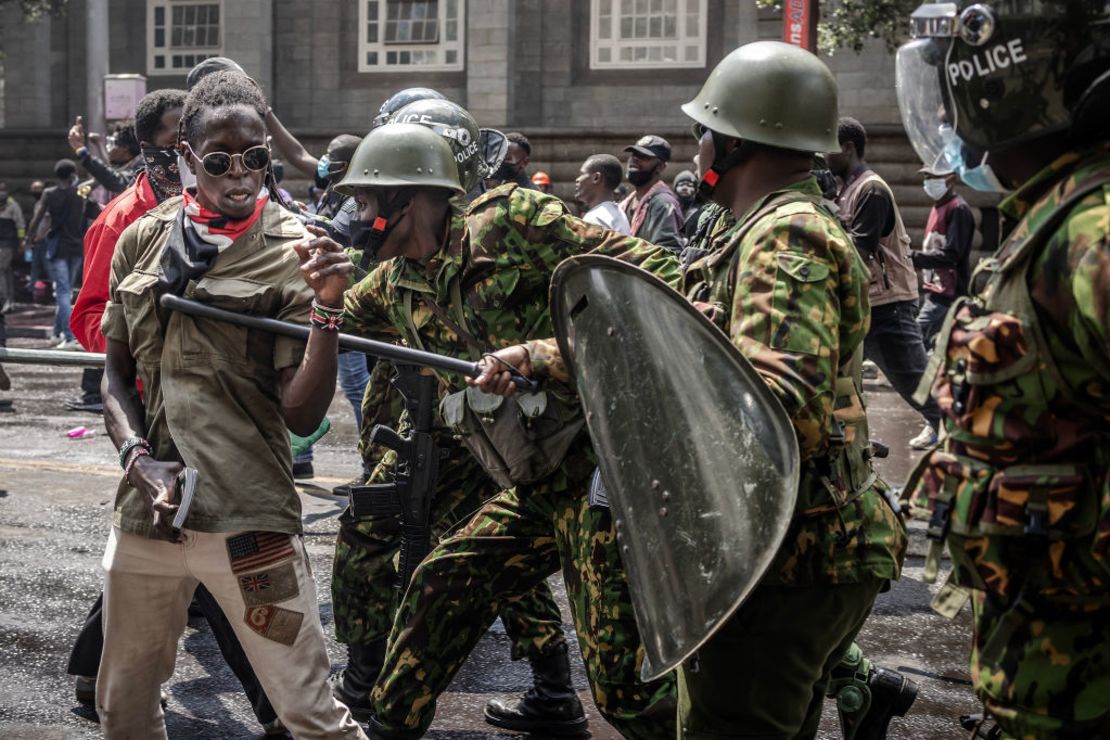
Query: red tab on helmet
(379, 224)
(711, 177)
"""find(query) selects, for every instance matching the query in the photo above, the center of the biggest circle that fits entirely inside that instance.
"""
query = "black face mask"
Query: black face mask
(162, 171)
(640, 177)
(363, 237)
(507, 171)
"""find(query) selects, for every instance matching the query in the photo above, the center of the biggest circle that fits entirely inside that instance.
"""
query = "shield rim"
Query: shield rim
(560, 277)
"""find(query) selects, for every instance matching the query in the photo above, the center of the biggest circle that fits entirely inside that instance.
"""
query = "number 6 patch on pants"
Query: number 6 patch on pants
(275, 623)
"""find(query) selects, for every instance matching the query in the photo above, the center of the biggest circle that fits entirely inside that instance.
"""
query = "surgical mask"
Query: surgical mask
(935, 187)
(639, 178)
(322, 167)
(978, 176)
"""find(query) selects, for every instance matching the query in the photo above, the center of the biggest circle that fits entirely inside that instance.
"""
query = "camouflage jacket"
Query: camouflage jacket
(790, 291)
(1019, 486)
(499, 254)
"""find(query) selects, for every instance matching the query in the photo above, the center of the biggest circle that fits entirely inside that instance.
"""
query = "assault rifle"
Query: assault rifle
(418, 456)
(415, 474)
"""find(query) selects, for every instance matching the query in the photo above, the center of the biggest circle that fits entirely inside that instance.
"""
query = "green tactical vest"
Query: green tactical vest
(1015, 519)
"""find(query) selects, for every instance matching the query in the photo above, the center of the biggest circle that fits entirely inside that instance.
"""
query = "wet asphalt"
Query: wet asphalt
(55, 505)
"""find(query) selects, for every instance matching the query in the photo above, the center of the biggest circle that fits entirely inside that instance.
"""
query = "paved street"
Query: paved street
(55, 501)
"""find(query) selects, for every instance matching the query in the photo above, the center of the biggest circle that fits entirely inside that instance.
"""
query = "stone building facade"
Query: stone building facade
(577, 76)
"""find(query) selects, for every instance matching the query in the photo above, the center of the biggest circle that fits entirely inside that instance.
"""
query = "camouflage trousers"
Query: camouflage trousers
(1043, 670)
(364, 573)
(519, 538)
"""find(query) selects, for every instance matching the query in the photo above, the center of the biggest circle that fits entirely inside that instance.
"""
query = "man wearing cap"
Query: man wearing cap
(946, 249)
(652, 209)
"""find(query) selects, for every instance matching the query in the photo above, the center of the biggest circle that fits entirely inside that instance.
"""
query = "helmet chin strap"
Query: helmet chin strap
(721, 164)
(380, 228)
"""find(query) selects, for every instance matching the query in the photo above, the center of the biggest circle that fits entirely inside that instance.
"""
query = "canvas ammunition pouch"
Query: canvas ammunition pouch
(518, 440)
(844, 472)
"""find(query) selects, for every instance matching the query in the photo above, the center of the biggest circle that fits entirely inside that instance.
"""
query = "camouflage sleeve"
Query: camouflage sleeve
(364, 306)
(555, 235)
(1090, 286)
(797, 294)
(380, 405)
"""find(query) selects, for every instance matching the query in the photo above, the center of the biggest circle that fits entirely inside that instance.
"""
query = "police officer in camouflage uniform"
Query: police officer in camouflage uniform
(364, 575)
(466, 283)
(1016, 96)
(799, 314)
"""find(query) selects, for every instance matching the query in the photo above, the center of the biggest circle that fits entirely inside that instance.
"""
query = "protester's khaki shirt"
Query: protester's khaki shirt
(211, 390)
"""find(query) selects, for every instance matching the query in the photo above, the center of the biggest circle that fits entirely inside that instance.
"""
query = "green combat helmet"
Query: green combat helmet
(400, 99)
(396, 160)
(992, 75)
(456, 126)
(753, 94)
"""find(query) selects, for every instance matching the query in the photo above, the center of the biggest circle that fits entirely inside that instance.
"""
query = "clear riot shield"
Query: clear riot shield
(699, 459)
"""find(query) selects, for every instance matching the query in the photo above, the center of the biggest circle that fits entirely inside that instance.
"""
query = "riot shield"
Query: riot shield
(699, 459)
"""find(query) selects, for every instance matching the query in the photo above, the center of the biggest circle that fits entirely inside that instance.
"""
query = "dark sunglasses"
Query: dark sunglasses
(218, 164)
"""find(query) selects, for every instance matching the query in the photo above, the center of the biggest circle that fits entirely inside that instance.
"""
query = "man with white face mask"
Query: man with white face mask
(945, 251)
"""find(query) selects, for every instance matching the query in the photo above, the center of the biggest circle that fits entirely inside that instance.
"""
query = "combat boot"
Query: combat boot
(867, 697)
(550, 706)
(352, 685)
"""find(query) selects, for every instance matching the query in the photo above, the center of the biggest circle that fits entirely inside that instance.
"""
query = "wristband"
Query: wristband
(138, 452)
(81, 152)
(129, 444)
(325, 318)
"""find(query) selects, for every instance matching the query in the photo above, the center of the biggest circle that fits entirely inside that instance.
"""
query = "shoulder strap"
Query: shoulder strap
(477, 349)
(769, 207)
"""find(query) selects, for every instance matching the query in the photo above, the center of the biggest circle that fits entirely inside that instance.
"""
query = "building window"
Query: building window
(647, 33)
(418, 35)
(182, 33)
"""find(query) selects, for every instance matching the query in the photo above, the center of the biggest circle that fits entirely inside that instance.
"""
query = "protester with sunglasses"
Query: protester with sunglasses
(217, 398)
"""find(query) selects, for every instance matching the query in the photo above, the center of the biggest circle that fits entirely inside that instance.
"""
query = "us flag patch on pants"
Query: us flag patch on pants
(254, 550)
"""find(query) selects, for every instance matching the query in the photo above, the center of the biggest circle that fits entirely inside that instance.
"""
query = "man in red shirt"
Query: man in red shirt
(156, 128)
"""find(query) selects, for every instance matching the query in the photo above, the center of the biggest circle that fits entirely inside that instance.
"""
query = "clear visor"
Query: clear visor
(919, 81)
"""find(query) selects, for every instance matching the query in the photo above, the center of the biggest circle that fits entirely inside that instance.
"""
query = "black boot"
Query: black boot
(892, 694)
(353, 684)
(550, 706)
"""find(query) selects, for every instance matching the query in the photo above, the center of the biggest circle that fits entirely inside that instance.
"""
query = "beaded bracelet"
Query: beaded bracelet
(325, 318)
(135, 454)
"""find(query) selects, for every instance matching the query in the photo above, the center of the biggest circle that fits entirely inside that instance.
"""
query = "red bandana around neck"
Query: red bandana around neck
(215, 228)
